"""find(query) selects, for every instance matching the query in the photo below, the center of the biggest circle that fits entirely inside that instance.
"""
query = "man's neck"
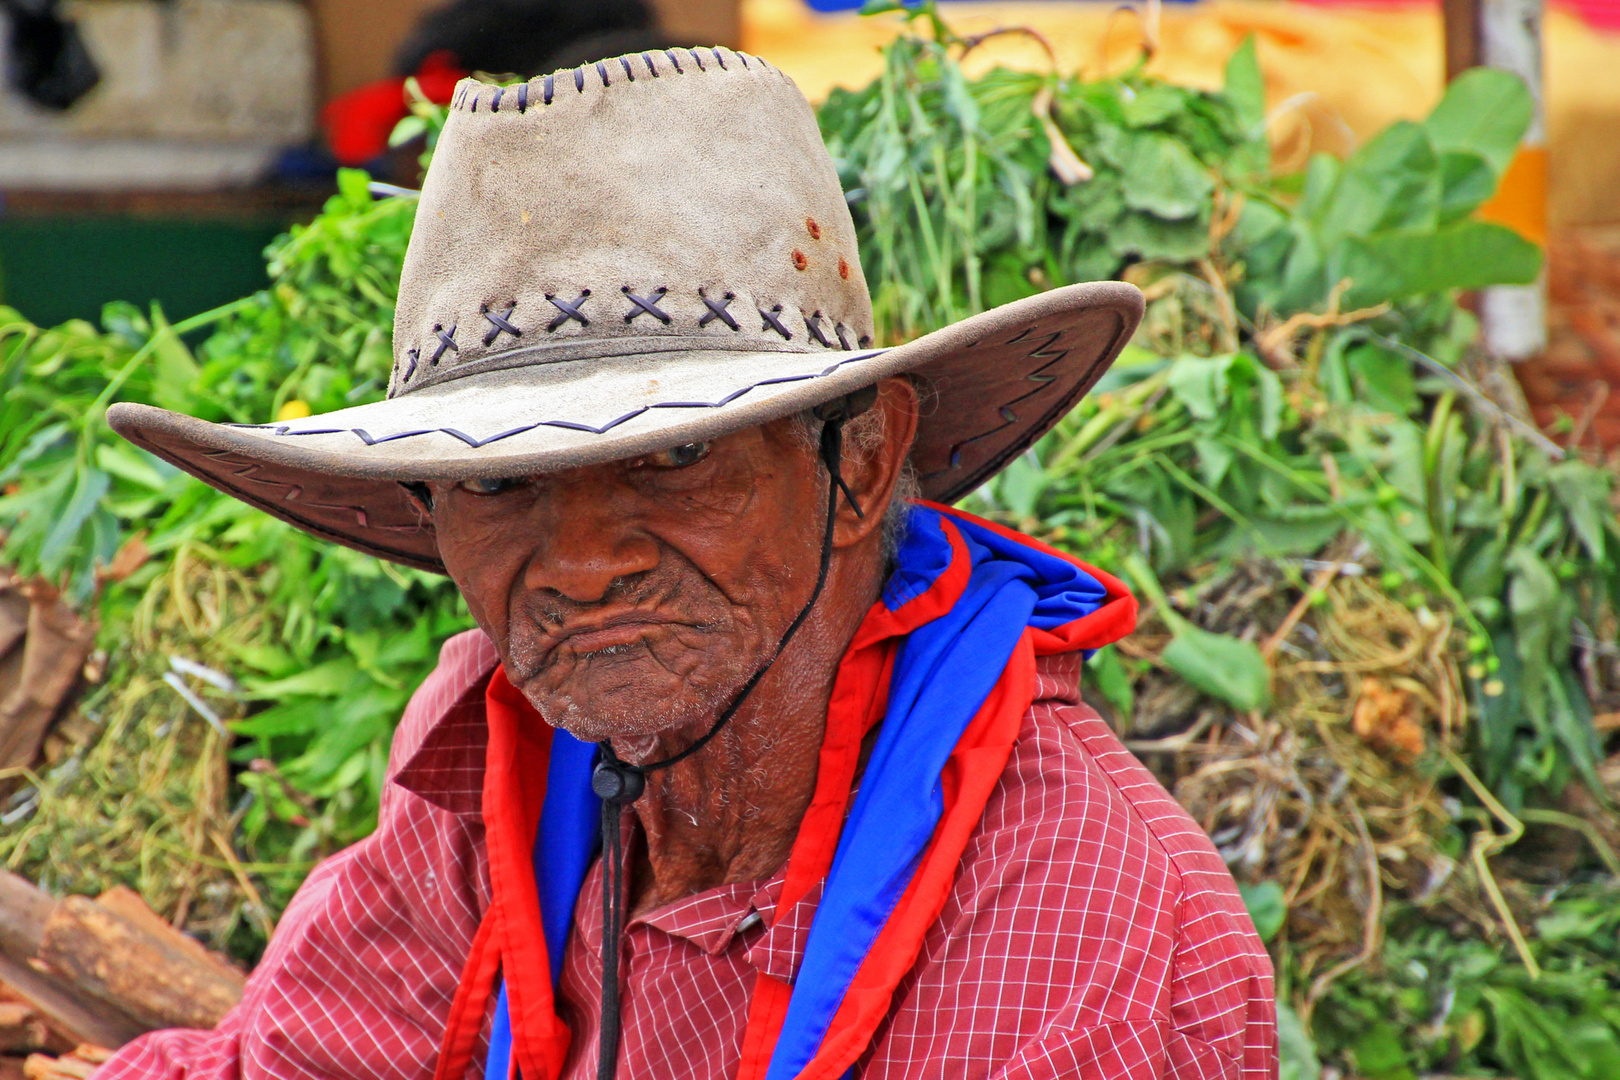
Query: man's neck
(731, 812)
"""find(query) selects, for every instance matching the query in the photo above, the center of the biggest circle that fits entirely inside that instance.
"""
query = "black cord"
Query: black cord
(618, 783)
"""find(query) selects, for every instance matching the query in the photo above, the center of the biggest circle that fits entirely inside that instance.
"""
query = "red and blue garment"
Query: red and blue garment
(945, 662)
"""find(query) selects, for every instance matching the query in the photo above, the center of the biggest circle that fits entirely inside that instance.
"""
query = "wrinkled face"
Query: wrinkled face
(639, 596)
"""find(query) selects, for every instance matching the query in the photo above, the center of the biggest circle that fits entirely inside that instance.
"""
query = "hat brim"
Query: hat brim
(997, 381)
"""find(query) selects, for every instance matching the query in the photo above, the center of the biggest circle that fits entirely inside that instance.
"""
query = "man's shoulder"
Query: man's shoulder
(1085, 879)
(438, 750)
(1073, 795)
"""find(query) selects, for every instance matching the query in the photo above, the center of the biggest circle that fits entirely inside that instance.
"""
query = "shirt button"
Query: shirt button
(751, 920)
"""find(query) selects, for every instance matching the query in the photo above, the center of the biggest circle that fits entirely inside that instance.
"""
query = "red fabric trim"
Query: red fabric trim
(514, 793)
(969, 777)
(471, 1002)
(767, 1010)
(1115, 619)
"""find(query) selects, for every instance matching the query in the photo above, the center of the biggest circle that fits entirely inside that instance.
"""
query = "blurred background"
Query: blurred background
(150, 149)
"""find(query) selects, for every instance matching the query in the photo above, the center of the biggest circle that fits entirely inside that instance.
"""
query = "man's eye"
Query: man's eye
(679, 457)
(480, 486)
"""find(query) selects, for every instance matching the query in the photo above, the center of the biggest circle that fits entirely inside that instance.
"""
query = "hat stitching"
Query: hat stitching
(812, 323)
(1039, 353)
(581, 347)
(372, 440)
(568, 310)
(499, 324)
(469, 95)
(446, 341)
(647, 305)
(295, 492)
(774, 323)
(1009, 418)
(717, 310)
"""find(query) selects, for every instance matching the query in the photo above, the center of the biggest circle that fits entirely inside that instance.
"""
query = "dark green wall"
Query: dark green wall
(54, 268)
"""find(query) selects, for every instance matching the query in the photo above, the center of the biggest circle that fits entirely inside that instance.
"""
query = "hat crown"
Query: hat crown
(662, 201)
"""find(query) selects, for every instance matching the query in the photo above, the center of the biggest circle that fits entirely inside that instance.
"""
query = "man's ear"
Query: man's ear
(876, 446)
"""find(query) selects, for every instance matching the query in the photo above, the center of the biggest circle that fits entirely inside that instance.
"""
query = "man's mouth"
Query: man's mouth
(615, 633)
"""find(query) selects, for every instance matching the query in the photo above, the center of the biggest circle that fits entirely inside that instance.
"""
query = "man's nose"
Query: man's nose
(588, 541)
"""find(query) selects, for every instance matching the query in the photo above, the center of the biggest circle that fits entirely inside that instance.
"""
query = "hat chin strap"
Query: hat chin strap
(618, 783)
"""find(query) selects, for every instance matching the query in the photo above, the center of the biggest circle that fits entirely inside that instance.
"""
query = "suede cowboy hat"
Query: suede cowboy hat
(623, 257)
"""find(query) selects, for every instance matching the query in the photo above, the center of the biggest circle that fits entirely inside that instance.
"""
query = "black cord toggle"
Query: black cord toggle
(616, 782)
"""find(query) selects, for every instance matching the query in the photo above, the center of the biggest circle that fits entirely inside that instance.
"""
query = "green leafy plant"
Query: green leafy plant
(338, 641)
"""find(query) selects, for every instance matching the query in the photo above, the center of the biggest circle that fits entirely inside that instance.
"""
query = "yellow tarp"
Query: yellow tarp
(1333, 75)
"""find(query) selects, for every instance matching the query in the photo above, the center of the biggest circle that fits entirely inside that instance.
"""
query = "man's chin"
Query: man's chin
(623, 715)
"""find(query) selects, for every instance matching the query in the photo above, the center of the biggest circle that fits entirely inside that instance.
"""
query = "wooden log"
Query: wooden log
(54, 653)
(21, 1028)
(24, 910)
(65, 1009)
(73, 1014)
(127, 902)
(13, 617)
(42, 1067)
(118, 962)
(57, 1039)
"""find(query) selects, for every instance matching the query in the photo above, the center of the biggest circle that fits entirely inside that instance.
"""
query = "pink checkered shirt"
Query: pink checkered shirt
(1093, 933)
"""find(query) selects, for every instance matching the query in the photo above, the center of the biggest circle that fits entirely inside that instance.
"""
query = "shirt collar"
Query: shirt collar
(714, 919)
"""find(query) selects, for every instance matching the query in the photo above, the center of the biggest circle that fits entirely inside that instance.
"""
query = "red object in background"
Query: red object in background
(1601, 14)
(358, 123)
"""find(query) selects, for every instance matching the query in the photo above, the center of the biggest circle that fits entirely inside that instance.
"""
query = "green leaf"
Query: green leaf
(1383, 378)
(1485, 111)
(1223, 667)
(330, 679)
(1020, 484)
(1266, 907)
(1380, 1053)
(1154, 104)
(1214, 459)
(1165, 180)
(1296, 1053)
(1271, 401)
(1465, 255)
(1149, 237)
(1393, 182)
(1246, 88)
(1466, 180)
(1200, 383)
(87, 492)
(1113, 682)
(1584, 493)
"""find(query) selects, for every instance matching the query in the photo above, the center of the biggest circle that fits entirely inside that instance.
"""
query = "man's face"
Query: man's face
(637, 597)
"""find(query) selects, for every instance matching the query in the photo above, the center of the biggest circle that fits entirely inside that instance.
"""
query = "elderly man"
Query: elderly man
(758, 766)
